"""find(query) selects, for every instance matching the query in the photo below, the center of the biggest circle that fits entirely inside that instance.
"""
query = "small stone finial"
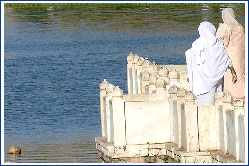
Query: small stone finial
(155, 66)
(146, 63)
(227, 98)
(163, 72)
(117, 92)
(130, 57)
(146, 76)
(140, 61)
(174, 74)
(173, 89)
(109, 88)
(152, 69)
(190, 96)
(14, 150)
(160, 83)
(219, 94)
(181, 93)
(135, 59)
(167, 80)
(103, 85)
(238, 103)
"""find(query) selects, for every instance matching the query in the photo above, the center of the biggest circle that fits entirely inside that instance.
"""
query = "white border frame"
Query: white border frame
(2, 79)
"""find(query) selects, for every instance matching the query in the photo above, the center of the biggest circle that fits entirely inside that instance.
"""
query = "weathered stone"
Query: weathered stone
(173, 89)
(117, 92)
(181, 93)
(130, 57)
(140, 61)
(207, 128)
(145, 76)
(238, 103)
(103, 85)
(109, 88)
(227, 98)
(163, 72)
(167, 80)
(160, 83)
(219, 94)
(190, 97)
(135, 59)
(151, 69)
(146, 63)
(174, 74)
(153, 79)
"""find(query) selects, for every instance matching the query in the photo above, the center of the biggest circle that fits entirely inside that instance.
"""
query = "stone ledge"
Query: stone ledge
(220, 157)
(158, 153)
(145, 159)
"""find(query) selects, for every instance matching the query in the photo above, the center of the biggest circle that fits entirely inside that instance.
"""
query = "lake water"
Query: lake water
(56, 56)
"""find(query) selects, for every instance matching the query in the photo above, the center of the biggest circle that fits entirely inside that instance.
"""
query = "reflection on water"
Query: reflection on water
(58, 153)
(57, 54)
(102, 17)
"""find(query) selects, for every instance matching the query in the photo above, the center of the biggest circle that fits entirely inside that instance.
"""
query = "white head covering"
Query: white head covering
(228, 17)
(207, 60)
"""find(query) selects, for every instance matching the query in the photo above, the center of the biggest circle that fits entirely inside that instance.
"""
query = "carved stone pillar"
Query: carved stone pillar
(161, 89)
(134, 74)
(108, 112)
(145, 76)
(174, 77)
(227, 108)
(173, 109)
(139, 75)
(152, 84)
(118, 118)
(192, 142)
(145, 82)
(129, 73)
(239, 130)
(103, 92)
(219, 116)
(181, 117)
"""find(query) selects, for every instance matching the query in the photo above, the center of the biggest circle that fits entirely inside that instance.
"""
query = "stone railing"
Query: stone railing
(159, 118)
(142, 75)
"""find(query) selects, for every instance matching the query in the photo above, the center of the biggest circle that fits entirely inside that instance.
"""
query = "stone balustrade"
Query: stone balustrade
(159, 118)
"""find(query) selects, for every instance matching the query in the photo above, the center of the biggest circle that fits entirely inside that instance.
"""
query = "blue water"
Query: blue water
(52, 71)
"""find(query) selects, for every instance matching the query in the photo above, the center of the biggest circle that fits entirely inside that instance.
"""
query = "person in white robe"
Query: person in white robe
(207, 62)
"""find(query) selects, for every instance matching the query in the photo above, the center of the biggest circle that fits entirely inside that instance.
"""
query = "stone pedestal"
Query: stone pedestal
(108, 113)
(191, 142)
(118, 119)
(139, 75)
(181, 117)
(227, 108)
(239, 130)
(174, 78)
(129, 73)
(219, 116)
(207, 128)
(174, 114)
(102, 96)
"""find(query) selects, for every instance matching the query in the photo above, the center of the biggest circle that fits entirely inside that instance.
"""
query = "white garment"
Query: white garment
(208, 99)
(207, 60)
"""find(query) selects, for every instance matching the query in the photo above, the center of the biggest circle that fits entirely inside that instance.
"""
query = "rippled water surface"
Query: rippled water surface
(56, 56)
